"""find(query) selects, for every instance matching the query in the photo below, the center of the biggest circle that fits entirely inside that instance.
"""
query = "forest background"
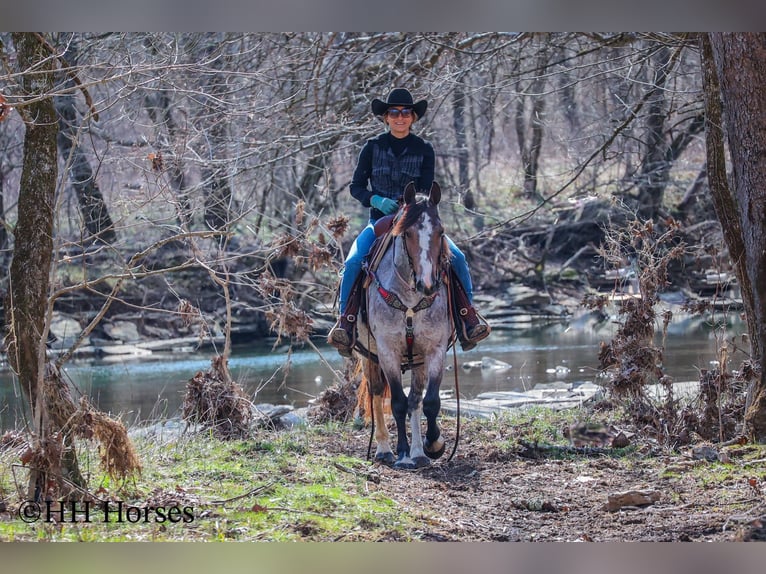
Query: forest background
(198, 182)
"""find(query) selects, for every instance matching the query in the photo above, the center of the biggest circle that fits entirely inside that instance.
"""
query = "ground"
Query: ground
(489, 492)
(513, 478)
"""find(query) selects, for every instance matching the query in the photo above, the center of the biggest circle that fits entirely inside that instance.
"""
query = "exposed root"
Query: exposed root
(118, 457)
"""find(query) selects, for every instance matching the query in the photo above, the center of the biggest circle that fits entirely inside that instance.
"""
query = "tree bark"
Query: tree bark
(4, 243)
(458, 123)
(33, 236)
(531, 129)
(740, 63)
(529, 132)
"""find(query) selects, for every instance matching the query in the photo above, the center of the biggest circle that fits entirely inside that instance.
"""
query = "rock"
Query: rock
(66, 330)
(488, 363)
(522, 296)
(266, 413)
(125, 331)
(618, 500)
(470, 365)
(621, 440)
(294, 418)
(705, 452)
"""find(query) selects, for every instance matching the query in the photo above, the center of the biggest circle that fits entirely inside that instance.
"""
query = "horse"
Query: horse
(408, 323)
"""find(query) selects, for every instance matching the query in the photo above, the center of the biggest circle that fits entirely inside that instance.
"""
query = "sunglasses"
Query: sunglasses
(395, 113)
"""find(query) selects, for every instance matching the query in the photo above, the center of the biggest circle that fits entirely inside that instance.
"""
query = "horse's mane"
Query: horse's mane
(410, 214)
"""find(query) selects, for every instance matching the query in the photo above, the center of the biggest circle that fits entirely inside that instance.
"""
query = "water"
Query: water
(149, 388)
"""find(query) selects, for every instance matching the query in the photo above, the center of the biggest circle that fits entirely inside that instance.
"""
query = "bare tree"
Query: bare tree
(740, 64)
(33, 250)
(33, 237)
(94, 212)
(530, 121)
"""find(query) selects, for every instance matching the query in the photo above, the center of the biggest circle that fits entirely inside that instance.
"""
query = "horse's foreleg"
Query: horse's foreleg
(399, 409)
(383, 451)
(434, 443)
(418, 457)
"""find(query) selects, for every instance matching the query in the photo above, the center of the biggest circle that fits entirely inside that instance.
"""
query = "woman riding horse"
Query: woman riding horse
(388, 163)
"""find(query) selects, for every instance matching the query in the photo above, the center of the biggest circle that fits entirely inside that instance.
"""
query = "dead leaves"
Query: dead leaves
(5, 109)
(157, 161)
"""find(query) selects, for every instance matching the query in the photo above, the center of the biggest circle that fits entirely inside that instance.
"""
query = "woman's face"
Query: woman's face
(399, 123)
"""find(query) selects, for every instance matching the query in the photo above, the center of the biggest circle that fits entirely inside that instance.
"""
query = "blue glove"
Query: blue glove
(384, 204)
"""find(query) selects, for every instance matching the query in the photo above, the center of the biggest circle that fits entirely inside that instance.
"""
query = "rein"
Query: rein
(454, 370)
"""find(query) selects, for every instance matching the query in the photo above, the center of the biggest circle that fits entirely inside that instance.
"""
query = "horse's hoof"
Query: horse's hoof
(386, 458)
(405, 463)
(434, 454)
(421, 461)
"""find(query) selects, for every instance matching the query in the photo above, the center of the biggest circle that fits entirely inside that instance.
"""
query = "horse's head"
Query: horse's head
(422, 233)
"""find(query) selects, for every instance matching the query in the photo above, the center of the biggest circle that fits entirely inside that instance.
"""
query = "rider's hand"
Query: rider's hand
(384, 204)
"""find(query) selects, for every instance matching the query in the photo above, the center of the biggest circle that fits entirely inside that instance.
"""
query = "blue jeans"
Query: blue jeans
(360, 249)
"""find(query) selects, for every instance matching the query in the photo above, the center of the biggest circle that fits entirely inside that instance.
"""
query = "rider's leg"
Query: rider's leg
(341, 335)
(474, 327)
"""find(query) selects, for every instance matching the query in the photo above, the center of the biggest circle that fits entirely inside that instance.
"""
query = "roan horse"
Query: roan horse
(409, 319)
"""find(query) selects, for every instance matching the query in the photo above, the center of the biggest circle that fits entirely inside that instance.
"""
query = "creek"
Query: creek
(151, 388)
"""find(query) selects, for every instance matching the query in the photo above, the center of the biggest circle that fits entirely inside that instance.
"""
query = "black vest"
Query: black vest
(390, 174)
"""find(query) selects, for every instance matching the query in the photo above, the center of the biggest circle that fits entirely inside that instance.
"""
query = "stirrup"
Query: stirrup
(340, 338)
(474, 328)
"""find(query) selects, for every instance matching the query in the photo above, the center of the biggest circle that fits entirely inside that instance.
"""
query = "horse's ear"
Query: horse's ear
(435, 195)
(409, 192)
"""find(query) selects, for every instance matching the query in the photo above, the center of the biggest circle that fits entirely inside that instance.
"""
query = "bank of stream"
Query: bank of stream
(151, 386)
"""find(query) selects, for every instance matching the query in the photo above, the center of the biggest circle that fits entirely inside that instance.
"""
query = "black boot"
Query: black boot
(343, 334)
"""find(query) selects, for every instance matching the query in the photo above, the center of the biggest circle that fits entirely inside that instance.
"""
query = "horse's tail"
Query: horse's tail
(363, 398)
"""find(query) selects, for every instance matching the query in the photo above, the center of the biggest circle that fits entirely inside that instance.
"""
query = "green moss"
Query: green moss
(273, 487)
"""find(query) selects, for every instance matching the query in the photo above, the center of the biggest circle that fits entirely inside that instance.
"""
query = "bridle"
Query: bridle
(413, 283)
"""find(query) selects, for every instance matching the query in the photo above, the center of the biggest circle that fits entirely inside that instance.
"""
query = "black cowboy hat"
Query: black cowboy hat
(399, 97)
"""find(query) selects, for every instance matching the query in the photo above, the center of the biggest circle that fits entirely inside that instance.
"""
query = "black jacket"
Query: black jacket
(387, 173)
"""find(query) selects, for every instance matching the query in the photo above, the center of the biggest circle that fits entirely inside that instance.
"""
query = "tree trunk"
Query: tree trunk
(530, 135)
(692, 193)
(654, 170)
(4, 243)
(31, 265)
(740, 62)
(93, 209)
(458, 123)
(33, 236)
(217, 189)
(530, 130)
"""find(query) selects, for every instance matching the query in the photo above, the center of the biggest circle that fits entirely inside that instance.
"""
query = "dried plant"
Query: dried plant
(642, 251)
(217, 402)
